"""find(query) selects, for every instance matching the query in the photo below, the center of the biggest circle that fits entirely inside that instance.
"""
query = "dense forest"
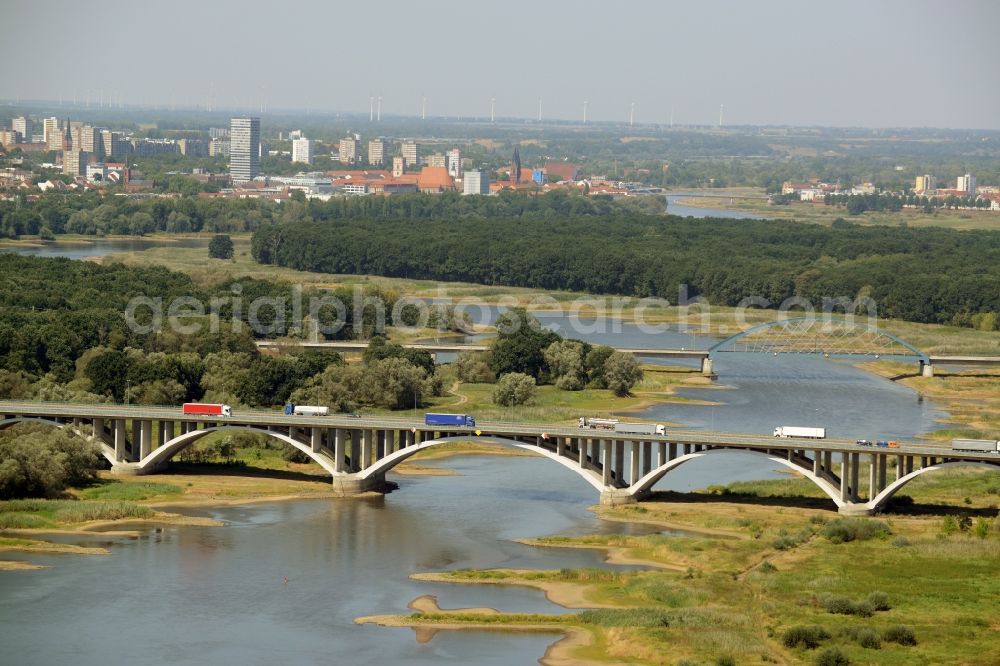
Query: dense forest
(924, 275)
(92, 214)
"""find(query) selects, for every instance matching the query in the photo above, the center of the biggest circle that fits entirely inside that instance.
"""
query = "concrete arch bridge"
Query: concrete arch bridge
(358, 452)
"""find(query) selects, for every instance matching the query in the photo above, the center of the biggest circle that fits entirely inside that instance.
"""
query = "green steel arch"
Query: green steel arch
(866, 327)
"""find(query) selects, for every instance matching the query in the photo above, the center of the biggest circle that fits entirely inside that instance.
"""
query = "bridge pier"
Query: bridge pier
(617, 497)
(926, 369)
(707, 367)
(349, 485)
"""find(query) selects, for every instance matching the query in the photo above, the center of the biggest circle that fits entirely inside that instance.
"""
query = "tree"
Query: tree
(474, 368)
(621, 373)
(395, 383)
(514, 388)
(520, 344)
(107, 371)
(36, 461)
(565, 361)
(220, 247)
(594, 365)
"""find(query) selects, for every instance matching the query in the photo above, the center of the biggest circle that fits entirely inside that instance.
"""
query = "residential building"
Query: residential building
(53, 137)
(75, 162)
(411, 153)
(398, 166)
(434, 180)
(89, 140)
(302, 150)
(925, 183)
(192, 147)
(376, 152)
(967, 184)
(437, 160)
(348, 150)
(9, 137)
(113, 145)
(146, 147)
(23, 125)
(244, 149)
(454, 162)
(218, 132)
(218, 148)
(476, 182)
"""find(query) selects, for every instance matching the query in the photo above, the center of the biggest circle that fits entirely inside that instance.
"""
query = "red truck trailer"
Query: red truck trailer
(206, 409)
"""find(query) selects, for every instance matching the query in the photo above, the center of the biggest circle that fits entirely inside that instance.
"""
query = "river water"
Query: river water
(98, 247)
(675, 208)
(194, 595)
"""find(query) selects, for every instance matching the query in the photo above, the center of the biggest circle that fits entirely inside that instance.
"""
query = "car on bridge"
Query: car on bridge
(864, 442)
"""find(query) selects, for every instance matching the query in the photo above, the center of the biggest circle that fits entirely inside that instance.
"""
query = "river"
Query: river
(675, 208)
(193, 595)
(98, 247)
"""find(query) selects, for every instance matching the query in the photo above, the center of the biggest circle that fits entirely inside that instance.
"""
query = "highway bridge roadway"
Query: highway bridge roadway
(358, 451)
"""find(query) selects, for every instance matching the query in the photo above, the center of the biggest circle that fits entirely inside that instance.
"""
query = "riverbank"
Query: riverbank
(711, 599)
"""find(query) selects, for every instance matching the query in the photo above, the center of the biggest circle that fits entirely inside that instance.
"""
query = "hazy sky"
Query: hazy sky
(893, 63)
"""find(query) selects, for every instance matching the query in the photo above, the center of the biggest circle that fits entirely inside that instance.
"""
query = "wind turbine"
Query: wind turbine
(584, 112)
(493, 104)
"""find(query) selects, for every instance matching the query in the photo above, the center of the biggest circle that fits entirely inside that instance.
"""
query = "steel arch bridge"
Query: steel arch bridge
(820, 335)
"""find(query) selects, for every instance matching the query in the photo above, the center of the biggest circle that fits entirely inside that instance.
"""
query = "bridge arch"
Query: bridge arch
(388, 462)
(174, 446)
(831, 341)
(880, 500)
(645, 484)
(105, 450)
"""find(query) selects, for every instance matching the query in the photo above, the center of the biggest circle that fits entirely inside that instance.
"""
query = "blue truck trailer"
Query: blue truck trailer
(462, 420)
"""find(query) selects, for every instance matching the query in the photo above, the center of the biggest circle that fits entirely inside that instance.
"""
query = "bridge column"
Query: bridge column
(828, 461)
(882, 461)
(647, 458)
(817, 462)
(315, 438)
(909, 464)
(338, 450)
(595, 453)
(845, 480)
(619, 462)
(707, 368)
(145, 438)
(855, 465)
(355, 450)
(98, 424)
(168, 432)
(926, 369)
(873, 476)
(120, 441)
(607, 462)
(633, 472)
(581, 453)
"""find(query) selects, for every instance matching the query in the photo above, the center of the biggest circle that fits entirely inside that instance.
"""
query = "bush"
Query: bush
(725, 660)
(842, 530)
(901, 542)
(839, 605)
(899, 633)
(879, 601)
(866, 637)
(220, 247)
(36, 461)
(514, 388)
(832, 656)
(767, 567)
(807, 636)
(474, 368)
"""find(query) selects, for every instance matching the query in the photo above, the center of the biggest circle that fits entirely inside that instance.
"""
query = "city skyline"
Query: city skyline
(860, 66)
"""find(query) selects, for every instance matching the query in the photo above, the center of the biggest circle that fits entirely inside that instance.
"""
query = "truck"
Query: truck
(977, 445)
(597, 424)
(206, 409)
(461, 420)
(306, 410)
(798, 431)
(640, 428)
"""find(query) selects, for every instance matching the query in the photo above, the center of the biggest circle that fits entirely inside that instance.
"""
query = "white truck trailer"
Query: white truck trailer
(977, 445)
(798, 431)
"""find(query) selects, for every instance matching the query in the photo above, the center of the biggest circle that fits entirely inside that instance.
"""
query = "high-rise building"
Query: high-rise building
(75, 162)
(244, 149)
(376, 152)
(302, 150)
(89, 140)
(411, 153)
(398, 166)
(192, 147)
(52, 136)
(454, 162)
(113, 145)
(925, 183)
(437, 160)
(348, 150)
(24, 126)
(476, 182)
(967, 184)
